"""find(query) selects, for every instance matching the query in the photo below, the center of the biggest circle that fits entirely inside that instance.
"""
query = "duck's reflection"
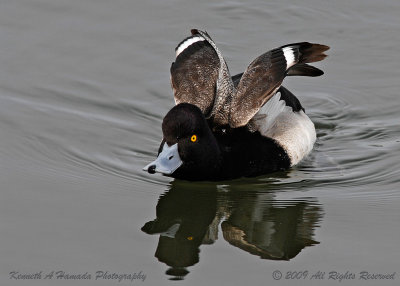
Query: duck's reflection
(184, 215)
(271, 229)
(189, 214)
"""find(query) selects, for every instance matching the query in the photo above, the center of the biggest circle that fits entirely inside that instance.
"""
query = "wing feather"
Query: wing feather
(194, 73)
(265, 74)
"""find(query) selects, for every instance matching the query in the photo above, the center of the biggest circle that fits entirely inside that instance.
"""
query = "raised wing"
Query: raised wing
(265, 74)
(201, 77)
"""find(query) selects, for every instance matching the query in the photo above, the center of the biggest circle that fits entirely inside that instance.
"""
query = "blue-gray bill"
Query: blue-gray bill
(167, 161)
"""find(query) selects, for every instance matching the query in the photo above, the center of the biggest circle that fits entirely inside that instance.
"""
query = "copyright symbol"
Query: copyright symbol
(277, 275)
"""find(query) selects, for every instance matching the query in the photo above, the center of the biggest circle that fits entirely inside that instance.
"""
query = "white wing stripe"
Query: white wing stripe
(183, 46)
(289, 56)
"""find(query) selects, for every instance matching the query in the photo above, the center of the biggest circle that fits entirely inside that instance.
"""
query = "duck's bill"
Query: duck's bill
(167, 161)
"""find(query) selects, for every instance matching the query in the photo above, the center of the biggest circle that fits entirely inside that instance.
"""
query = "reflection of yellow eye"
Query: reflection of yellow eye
(193, 138)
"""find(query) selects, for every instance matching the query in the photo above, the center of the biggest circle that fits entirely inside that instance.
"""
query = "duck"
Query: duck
(224, 127)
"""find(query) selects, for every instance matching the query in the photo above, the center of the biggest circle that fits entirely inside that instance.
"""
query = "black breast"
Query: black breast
(249, 154)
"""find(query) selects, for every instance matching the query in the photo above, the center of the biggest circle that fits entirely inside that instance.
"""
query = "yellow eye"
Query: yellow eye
(189, 238)
(193, 138)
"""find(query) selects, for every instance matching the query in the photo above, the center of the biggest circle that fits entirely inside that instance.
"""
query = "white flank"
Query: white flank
(267, 114)
(289, 56)
(187, 43)
(294, 131)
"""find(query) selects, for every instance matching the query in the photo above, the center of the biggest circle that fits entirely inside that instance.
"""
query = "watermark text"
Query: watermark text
(63, 275)
(333, 275)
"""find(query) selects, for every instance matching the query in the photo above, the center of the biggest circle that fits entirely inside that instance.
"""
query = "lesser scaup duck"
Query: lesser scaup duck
(225, 127)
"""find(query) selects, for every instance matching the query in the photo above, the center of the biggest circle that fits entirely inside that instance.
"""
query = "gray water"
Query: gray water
(84, 86)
